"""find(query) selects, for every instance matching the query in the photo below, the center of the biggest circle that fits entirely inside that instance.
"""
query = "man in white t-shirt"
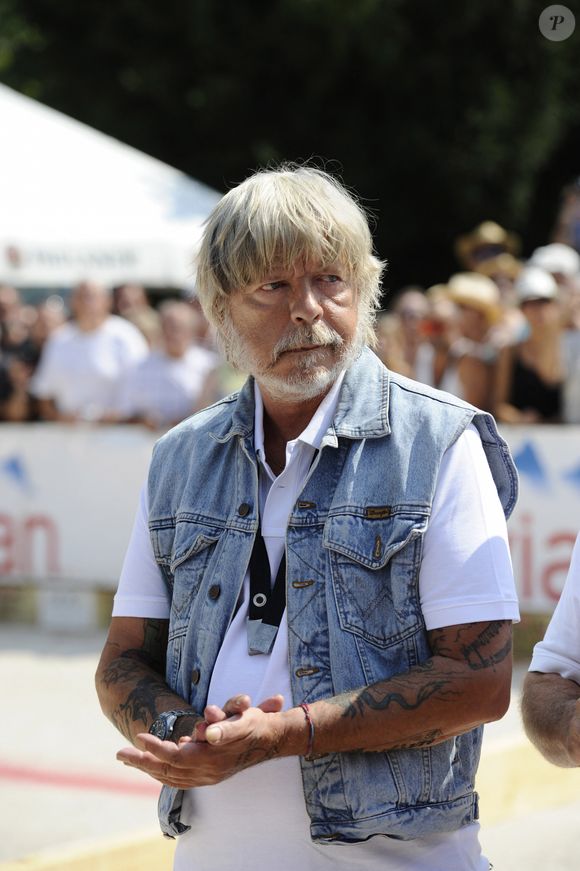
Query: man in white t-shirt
(551, 696)
(82, 362)
(314, 615)
(164, 388)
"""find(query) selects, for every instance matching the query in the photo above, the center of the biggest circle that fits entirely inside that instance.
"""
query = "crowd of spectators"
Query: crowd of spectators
(504, 334)
(110, 357)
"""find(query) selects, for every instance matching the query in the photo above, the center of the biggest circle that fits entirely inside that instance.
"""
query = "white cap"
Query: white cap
(557, 257)
(535, 283)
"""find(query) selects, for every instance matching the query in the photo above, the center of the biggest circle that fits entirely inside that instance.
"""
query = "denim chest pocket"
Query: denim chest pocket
(183, 552)
(375, 570)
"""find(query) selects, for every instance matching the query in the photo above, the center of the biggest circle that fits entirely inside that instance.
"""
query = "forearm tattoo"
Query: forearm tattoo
(408, 691)
(425, 739)
(141, 704)
(477, 645)
(134, 667)
(152, 653)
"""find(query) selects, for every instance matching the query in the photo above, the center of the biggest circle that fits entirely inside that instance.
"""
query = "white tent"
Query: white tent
(76, 204)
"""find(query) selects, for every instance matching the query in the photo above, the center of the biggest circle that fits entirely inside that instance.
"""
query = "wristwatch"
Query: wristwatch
(163, 726)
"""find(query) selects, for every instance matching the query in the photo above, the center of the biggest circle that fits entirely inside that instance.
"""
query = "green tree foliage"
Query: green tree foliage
(438, 114)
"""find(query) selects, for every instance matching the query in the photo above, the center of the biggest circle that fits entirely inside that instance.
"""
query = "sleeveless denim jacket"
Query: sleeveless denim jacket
(353, 552)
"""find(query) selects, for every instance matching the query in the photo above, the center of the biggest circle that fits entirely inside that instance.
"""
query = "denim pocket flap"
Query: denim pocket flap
(173, 544)
(372, 542)
(191, 539)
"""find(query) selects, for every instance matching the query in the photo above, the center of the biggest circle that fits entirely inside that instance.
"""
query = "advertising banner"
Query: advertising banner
(546, 521)
(68, 497)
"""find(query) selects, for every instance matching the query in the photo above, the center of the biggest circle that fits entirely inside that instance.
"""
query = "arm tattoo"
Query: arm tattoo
(480, 645)
(413, 742)
(477, 645)
(134, 667)
(141, 704)
(409, 697)
(122, 670)
(151, 654)
(416, 742)
(408, 691)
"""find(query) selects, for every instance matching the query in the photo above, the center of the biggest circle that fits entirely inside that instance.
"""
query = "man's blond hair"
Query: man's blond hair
(276, 218)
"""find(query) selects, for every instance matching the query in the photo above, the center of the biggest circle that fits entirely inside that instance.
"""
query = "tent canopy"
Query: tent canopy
(79, 204)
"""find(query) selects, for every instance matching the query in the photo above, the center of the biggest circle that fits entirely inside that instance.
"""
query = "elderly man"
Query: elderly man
(314, 615)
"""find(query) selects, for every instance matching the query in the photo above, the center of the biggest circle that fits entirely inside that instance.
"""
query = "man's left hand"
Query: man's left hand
(231, 739)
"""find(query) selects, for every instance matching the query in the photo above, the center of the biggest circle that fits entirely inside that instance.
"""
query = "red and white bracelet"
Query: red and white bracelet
(310, 749)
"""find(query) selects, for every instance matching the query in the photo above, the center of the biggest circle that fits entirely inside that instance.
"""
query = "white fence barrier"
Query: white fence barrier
(68, 497)
(544, 526)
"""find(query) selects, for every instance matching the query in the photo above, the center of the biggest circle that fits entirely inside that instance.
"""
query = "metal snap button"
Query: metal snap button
(244, 509)
(195, 676)
(259, 600)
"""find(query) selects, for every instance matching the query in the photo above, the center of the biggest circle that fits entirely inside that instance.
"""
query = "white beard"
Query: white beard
(311, 376)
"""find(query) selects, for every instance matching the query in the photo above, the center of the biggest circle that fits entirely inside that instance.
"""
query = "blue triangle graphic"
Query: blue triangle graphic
(530, 466)
(14, 468)
(573, 476)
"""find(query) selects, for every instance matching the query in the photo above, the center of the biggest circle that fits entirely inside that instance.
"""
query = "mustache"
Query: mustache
(317, 334)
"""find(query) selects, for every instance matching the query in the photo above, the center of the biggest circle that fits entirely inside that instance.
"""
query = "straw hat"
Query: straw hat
(476, 291)
(488, 239)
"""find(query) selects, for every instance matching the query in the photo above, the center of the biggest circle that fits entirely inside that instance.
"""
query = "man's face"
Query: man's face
(90, 300)
(177, 331)
(413, 310)
(9, 301)
(294, 330)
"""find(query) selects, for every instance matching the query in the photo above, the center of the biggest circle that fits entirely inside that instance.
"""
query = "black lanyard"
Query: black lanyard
(267, 602)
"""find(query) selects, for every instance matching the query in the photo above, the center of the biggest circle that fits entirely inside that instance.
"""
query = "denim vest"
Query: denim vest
(353, 553)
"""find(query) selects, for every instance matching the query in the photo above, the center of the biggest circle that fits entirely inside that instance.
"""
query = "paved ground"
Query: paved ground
(59, 780)
(60, 783)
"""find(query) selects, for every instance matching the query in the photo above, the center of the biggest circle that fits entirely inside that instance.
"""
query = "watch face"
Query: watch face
(159, 728)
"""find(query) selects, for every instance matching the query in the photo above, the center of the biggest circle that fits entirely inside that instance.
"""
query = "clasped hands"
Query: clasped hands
(226, 740)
